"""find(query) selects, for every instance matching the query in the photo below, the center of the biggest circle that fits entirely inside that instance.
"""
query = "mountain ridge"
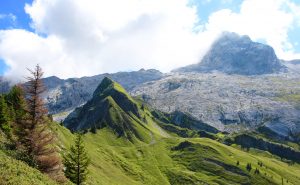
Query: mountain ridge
(109, 107)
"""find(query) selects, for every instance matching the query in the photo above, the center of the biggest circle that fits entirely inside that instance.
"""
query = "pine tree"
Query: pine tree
(76, 162)
(34, 133)
(5, 124)
(16, 99)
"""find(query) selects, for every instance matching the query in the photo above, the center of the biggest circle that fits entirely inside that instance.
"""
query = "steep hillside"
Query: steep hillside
(234, 54)
(174, 160)
(128, 145)
(113, 108)
(13, 171)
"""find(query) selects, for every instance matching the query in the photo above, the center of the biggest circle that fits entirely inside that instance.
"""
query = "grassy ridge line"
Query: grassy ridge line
(118, 161)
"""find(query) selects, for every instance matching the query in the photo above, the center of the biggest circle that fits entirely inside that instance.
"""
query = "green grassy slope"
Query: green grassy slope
(113, 108)
(175, 160)
(14, 172)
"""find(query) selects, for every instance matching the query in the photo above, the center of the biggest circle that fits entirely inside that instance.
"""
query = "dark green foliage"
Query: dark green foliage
(15, 99)
(248, 141)
(143, 107)
(4, 116)
(94, 130)
(207, 135)
(249, 167)
(182, 132)
(182, 145)
(76, 162)
(256, 171)
(238, 163)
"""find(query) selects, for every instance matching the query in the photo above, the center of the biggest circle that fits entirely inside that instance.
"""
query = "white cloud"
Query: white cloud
(269, 20)
(9, 16)
(87, 37)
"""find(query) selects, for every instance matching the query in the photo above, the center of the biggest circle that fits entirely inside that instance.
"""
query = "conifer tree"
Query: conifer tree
(16, 99)
(76, 162)
(4, 116)
(36, 136)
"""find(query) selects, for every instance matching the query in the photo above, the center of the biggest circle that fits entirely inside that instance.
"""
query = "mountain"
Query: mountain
(131, 143)
(293, 65)
(4, 85)
(226, 101)
(235, 54)
(231, 103)
(65, 95)
(113, 108)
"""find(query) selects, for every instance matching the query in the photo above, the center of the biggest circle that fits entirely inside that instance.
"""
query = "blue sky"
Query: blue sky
(9, 8)
(16, 8)
(98, 34)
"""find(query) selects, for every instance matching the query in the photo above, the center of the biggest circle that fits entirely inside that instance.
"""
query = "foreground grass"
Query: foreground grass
(16, 172)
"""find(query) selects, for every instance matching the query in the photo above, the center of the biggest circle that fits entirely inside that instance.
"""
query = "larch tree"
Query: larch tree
(37, 137)
(76, 162)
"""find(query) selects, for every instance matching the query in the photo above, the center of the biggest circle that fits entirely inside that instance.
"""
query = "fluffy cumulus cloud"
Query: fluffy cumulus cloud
(268, 20)
(87, 37)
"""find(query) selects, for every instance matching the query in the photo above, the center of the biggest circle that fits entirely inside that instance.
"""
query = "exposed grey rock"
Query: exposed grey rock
(234, 54)
(293, 65)
(230, 102)
(65, 95)
(4, 85)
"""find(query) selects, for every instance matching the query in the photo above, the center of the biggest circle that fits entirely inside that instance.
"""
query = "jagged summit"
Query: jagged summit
(106, 83)
(110, 107)
(235, 54)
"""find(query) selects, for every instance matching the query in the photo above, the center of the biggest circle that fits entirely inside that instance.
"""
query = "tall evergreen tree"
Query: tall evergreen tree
(36, 136)
(16, 99)
(4, 116)
(76, 162)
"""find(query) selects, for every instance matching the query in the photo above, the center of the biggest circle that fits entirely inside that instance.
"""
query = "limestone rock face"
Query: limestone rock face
(230, 103)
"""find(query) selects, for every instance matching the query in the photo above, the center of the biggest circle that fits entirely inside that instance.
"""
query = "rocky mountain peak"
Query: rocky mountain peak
(112, 107)
(235, 54)
(105, 84)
